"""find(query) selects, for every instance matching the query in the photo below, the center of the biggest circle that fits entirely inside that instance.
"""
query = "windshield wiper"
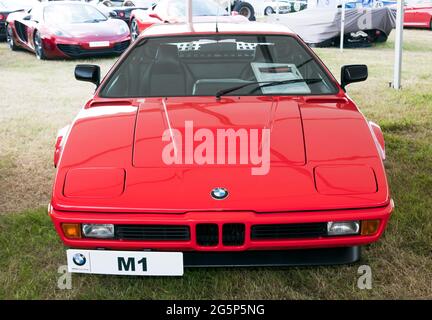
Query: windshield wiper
(264, 84)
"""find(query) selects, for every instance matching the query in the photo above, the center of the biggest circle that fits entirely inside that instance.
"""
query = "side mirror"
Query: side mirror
(353, 73)
(88, 73)
(113, 14)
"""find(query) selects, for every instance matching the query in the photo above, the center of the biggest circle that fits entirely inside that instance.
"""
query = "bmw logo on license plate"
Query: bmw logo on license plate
(79, 259)
(219, 193)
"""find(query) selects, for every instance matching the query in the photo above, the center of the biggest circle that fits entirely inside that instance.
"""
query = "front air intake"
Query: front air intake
(233, 234)
(207, 234)
(152, 232)
(288, 231)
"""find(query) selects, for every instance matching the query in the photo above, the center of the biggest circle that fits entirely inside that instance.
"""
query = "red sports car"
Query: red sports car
(174, 11)
(218, 146)
(66, 30)
(418, 14)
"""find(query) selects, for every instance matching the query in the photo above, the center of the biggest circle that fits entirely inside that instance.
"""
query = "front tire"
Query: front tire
(134, 30)
(39, 50)
(10, 38)
(268, 11)
(245, 9)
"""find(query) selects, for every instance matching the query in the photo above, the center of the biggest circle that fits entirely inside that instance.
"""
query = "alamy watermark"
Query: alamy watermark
(223, 146)
(64, 281)
(365, 279)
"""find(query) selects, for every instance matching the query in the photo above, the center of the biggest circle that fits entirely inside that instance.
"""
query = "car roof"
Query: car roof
(77, 2)
(210, 27)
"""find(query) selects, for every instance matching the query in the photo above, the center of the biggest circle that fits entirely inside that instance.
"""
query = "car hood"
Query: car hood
(95, 30)
(322, 156)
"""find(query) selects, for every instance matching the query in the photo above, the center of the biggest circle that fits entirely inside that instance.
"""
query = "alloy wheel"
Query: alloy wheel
(245, 12)
(38, 46)
(134, 30)
(268, 11)
(9, 38)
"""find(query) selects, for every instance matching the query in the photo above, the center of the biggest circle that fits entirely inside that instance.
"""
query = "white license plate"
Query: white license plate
(136, 263)
(99, 44)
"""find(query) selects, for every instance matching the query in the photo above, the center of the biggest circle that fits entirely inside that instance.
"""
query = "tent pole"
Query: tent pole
(398, 46)
(342, 26)
(189, 11)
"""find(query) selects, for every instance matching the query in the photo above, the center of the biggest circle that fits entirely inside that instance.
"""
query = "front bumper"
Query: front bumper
(279, 258)
(282, 9)
(78, 51)
(248, 219)
(63, 48)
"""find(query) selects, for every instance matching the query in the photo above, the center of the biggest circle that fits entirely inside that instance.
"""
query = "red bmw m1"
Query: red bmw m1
(218, 145)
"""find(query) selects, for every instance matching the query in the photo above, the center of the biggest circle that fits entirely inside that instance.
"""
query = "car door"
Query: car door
(21, 26)
(409, 16)
(423, 16)
(33, 22)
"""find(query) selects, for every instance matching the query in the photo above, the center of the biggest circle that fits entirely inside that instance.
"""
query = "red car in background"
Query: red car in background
(174, 11)
(218, 145)
(9, 6)
(418, 14)
(66, 30)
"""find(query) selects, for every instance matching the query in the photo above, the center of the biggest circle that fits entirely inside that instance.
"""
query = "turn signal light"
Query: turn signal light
(369, 227)
(72, 230)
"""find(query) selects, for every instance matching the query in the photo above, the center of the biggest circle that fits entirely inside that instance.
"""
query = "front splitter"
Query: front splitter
(277, 258)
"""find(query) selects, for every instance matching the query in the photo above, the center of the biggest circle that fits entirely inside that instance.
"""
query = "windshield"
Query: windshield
(72, 13)
(199, 8)
(205, 65)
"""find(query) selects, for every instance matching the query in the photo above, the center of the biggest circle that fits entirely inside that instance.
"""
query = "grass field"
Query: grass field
(37, 98)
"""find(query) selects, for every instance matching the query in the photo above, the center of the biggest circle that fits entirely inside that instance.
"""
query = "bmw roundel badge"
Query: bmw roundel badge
(219, 193)
(79, 259)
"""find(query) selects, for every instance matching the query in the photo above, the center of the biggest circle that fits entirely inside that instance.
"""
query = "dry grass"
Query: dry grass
(38, 98)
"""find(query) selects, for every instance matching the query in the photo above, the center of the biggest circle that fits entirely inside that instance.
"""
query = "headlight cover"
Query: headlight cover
(343, 228)
(100, 231)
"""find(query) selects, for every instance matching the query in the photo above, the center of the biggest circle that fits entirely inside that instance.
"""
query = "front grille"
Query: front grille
(288, 231)
(76, 51)
(152, 232)
(207, 234)
(233, 234)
